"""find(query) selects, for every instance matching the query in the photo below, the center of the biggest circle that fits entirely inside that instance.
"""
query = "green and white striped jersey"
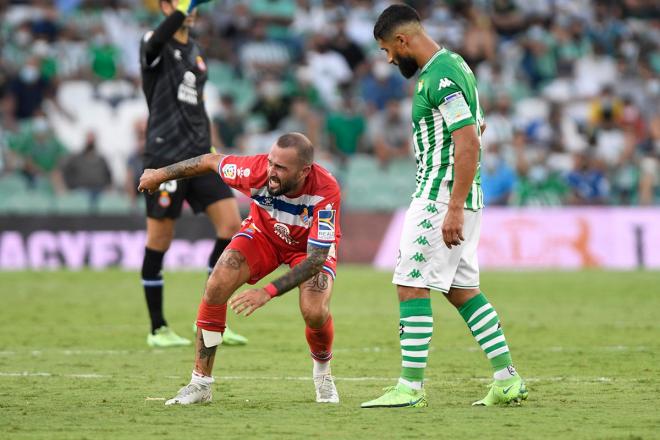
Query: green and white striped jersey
(444, 100)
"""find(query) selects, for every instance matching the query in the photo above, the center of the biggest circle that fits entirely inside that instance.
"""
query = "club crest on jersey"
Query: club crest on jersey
(229, 171)
(326, 224)
(187, 89)
(282, 231)
(201, 65)
(420, 85)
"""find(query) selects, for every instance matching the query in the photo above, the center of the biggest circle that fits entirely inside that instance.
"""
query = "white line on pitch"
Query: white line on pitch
(86, 352)
(339, 378)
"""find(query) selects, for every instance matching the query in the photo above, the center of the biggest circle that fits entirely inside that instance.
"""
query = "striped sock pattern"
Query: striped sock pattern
(415, 331)
(482, 319)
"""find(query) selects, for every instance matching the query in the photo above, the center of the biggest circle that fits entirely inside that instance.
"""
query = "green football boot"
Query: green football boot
(399, 396)
(505, 392)
(229, 337)
(164, 337)
(232, 338)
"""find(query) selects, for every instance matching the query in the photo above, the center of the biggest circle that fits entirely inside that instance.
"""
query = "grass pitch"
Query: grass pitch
(74, 363)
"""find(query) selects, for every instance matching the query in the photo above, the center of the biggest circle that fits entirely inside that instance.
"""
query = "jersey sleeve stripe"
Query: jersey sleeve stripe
(242, 234)
(330, 271)
(317, 243)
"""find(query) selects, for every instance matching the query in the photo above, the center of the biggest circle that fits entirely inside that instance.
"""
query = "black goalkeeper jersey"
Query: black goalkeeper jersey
(178, 126)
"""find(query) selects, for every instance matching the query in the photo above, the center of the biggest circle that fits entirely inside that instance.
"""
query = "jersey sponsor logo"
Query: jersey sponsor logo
(229, 171)
(282, 231)
(326, 224)
(187, 89)
(445, 82)
(454, 108)
(169, 186)
(177, 54)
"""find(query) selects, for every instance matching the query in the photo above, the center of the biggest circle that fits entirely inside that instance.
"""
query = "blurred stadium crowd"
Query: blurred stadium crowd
(570, 88)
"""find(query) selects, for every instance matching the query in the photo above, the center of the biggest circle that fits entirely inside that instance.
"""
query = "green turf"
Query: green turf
(587, 342)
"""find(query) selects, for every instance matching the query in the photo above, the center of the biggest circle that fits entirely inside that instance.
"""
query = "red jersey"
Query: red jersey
(311, 217)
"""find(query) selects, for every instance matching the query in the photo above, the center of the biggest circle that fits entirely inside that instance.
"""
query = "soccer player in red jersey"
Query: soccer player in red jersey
(294, 220)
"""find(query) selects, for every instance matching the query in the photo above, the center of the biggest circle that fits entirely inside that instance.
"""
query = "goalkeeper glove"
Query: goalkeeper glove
(186, 6)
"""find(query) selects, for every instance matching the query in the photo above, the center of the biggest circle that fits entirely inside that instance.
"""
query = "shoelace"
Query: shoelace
(326, 387)
(189, 389)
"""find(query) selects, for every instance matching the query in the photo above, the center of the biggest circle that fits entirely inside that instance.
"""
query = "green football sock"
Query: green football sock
(482, 319)
(415, 330)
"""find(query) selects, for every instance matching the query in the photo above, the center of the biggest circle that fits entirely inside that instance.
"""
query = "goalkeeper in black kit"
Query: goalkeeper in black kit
(173, 77)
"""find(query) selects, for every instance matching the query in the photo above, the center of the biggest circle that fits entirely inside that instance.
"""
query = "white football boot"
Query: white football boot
(326, 392)
(191, 393)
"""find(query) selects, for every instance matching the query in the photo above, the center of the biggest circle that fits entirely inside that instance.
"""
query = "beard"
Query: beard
(282, 188)
(407, 66)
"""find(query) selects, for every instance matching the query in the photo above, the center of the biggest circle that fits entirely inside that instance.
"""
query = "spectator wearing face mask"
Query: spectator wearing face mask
(28, 89)
(498, 179)
(379, 86)
(272, 102)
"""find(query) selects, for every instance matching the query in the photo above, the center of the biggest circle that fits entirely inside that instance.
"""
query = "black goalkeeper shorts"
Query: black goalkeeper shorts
(199, 192)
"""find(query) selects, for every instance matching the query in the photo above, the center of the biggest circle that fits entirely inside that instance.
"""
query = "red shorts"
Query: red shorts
(263, 256)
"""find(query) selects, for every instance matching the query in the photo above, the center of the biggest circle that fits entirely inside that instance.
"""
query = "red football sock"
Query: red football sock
(320, 340)
(212, 317)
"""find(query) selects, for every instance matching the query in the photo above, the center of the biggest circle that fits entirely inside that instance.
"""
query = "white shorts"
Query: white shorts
(425, 260)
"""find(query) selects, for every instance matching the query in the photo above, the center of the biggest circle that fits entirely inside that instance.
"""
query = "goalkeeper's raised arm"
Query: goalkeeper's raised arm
(151, 179)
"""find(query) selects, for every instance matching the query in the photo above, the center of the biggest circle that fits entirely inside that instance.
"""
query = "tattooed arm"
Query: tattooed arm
(252, 299)
(309, 267)
(197, 166)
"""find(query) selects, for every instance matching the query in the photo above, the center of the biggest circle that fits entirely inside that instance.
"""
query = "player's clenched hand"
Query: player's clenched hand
(249, 301)
(150, 181)
(452, 227)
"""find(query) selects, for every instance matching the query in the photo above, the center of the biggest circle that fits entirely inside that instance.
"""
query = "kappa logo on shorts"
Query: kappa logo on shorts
(326, 224)
(229, 171)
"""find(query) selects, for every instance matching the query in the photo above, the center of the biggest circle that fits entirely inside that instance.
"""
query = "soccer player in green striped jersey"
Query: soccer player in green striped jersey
(438, 247)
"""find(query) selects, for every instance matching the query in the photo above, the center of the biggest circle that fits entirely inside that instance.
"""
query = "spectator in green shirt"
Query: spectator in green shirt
(37, 146)
(346, 127)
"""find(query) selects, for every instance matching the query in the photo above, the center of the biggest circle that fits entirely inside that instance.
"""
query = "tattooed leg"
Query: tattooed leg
(230, 272)
(315, 295)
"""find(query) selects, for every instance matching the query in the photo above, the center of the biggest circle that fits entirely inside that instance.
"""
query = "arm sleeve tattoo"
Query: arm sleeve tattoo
(196, 166)
(307, 269)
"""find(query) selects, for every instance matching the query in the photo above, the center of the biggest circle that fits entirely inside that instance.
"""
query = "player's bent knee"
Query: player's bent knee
(228, 229)
(214, 292)
(315, 317)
